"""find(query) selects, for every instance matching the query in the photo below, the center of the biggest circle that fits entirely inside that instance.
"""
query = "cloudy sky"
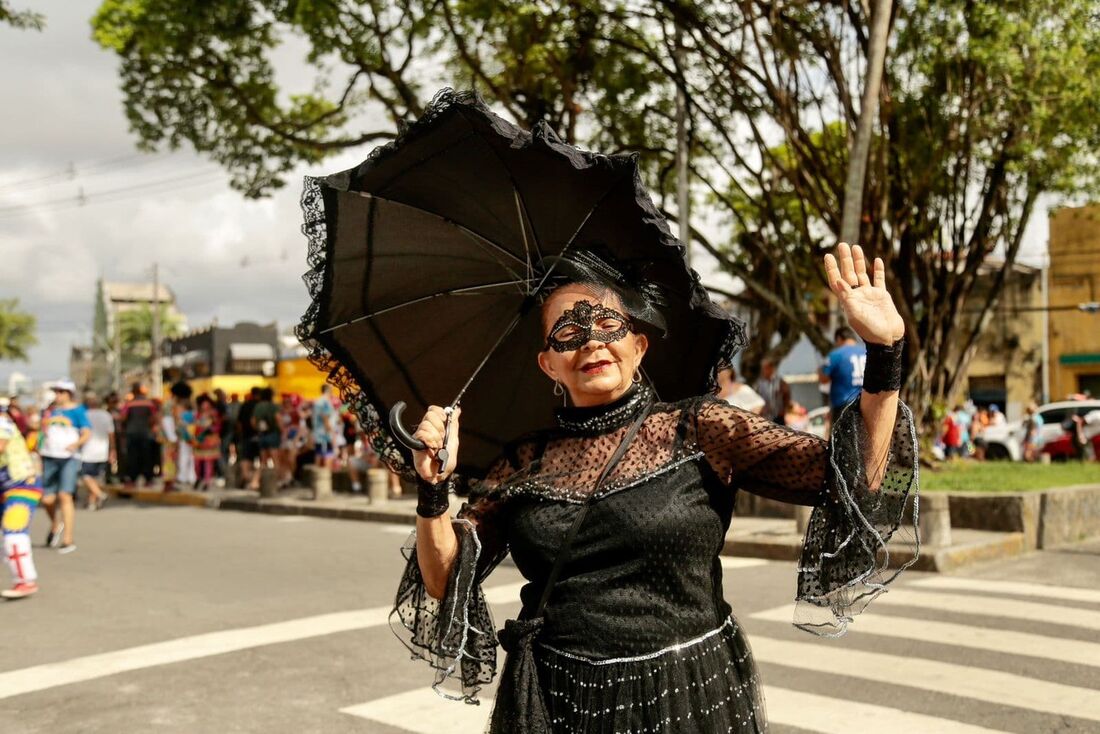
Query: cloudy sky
(64, 135)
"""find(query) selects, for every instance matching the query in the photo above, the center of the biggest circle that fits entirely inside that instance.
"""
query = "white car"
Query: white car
(816, 421)
(1006, 441)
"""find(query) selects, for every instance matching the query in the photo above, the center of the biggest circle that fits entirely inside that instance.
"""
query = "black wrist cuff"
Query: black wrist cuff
(883, 370)
(432, 499)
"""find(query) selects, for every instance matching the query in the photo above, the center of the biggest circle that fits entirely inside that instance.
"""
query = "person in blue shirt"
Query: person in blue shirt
(65, 428)
(843, 370)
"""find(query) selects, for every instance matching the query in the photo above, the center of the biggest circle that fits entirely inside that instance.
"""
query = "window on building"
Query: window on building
(987, 390)
(250, 358)
(1089, 384)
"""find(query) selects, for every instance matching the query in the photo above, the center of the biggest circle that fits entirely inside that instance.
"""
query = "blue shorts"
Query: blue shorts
(93, 469)
(59, 475)
(323, 447)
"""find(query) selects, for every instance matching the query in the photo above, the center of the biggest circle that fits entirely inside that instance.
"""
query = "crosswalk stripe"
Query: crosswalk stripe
(735, 562)
(77, 670)
(421, 711)
(961, 635)
(831, 715)
(90, 667)
(993, 686)
(1012, 608)
(1021, 588)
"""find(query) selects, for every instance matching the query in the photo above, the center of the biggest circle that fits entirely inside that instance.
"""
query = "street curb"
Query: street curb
(998, 546)
(190, 499)
(283, 507)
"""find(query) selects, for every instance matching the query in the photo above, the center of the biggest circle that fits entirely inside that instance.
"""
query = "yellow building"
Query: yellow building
(1074, 280)
(1007, 364)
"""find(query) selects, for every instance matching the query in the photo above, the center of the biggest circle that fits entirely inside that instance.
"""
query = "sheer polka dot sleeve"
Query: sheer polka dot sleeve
(845, 561)
(456, 634)
(750, 452)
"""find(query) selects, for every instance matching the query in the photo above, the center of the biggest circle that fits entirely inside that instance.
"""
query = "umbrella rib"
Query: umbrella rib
(421, 299)
(485, 359)
(523, 231)
(577, 232)
(460, 227)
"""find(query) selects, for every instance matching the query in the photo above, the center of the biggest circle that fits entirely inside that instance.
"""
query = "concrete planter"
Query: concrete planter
(1047, 519)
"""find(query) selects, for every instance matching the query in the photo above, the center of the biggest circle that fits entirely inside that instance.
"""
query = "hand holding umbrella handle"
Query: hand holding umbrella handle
(397, 425)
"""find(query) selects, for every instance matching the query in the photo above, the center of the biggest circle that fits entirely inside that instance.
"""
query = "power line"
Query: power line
(73, 170)
(161, 186)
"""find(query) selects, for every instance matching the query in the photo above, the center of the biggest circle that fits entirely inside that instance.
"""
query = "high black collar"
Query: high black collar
(598, 419)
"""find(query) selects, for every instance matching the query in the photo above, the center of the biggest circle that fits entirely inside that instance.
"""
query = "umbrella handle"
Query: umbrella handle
(399, 430)
(403, 435)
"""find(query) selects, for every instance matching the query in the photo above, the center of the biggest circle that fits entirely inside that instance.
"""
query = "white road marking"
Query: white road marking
(831, 715)
(1012, 608)
(1021, 588)
(405, 530)
(293, 518)
(983, 684)
(422, 711)
(734, 562)
(1058, 649)
(90, 667)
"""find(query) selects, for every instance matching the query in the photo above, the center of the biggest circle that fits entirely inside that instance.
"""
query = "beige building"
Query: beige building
(1074, 280)
(1007, 365)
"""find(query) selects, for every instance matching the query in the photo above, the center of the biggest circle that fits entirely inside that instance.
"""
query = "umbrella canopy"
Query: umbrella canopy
(428, 261)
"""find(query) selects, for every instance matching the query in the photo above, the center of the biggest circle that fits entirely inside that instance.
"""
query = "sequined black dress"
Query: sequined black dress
(637, 636)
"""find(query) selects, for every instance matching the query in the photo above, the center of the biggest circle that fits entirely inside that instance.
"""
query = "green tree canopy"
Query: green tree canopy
(21, 18)
(135, 331)
(985, 106)
(16, 331)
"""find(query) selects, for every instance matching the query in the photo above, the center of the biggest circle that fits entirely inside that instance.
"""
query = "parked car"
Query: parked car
(816, 420)
(1006, 441)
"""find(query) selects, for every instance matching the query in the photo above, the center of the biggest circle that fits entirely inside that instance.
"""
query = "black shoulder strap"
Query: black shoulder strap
(567, 544)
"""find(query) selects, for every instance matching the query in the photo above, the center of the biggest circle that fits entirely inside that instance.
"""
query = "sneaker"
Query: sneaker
(53, 539)
(67, 548)
(20, 590)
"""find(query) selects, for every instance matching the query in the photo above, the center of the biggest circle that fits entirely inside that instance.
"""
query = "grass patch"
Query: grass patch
(1007, 476)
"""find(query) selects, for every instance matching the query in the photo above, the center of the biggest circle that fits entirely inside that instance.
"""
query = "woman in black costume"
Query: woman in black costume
(632, 633)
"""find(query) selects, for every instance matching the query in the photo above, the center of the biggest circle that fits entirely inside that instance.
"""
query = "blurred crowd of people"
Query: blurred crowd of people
(184, 442)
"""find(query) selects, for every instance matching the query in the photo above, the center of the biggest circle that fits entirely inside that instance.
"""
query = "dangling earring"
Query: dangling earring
(637, 377)
(559, 390)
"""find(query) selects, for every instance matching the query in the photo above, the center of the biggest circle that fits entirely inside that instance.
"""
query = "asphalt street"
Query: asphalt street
(176, 619)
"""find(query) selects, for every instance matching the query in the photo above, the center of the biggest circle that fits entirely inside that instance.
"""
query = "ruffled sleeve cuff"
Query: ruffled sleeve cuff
(845, 560)
(455, 635)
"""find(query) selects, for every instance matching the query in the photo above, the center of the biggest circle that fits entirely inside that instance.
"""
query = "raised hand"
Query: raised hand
(867, 304)
(430, 431)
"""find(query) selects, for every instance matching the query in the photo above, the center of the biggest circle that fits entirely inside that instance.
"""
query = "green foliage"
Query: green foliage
(985, 106)
(135, 331)
(1007, 476)
(25, 19)
(16, 331)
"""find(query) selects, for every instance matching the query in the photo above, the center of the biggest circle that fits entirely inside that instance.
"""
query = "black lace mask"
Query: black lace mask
(585, 322)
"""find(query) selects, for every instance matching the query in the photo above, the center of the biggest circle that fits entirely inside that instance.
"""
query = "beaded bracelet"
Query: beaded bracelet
(432, 499)
(883, 370)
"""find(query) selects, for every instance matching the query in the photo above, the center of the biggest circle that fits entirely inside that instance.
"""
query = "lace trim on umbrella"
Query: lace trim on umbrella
(358, 394)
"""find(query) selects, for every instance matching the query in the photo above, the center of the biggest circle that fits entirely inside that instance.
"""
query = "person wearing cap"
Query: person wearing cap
(65, 428)
(21, 492)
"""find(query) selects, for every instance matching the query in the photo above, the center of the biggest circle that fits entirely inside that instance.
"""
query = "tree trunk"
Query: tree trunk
(868, 109)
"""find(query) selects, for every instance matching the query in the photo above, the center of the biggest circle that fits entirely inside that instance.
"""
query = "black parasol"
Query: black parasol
(429, 258)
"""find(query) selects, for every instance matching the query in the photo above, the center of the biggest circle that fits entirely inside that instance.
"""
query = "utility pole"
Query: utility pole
(154, 363)
(683, 193)
(118, 351)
